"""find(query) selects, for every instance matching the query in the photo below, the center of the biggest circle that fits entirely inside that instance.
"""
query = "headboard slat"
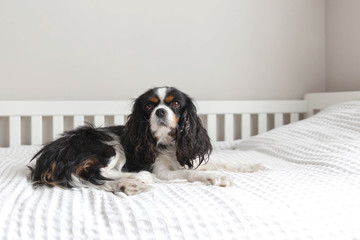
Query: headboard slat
(245, 125)
(36, 130)
(119, 119)
(229, 127)
(15, 131)
(294, 117)
(211, 126)
(99, 121)
(58, 126)
(278, 120)
(262, 122)
(78, 121)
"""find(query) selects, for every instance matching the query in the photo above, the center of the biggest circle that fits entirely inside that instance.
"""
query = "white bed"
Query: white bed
(309, 190)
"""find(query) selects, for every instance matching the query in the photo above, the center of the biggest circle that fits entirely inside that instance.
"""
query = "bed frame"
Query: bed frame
(36, 122)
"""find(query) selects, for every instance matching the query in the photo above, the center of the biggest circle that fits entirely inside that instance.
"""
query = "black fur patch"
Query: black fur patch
(82, 151)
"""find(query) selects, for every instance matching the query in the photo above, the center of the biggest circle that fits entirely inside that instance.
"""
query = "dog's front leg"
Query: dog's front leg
(194, 176)
(230, 167)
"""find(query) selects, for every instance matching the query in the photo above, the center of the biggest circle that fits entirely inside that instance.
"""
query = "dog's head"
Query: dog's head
(163, 118)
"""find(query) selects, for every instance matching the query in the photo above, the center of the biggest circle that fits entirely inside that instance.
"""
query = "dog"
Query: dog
(163, 139)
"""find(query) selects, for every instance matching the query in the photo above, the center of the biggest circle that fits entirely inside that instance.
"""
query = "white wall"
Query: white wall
(343, 45)
(212, 49)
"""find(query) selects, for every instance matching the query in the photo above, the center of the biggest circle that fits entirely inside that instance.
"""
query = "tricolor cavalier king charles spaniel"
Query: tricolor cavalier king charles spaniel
(163, 139)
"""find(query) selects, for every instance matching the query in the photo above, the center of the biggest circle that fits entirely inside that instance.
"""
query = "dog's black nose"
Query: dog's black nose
(160, 112)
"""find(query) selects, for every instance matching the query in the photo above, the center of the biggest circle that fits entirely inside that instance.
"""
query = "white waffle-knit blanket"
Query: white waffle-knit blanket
(310, 190)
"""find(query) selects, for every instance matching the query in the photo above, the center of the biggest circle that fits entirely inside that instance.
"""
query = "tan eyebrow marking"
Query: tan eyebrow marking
(154, 100)
(168, 99)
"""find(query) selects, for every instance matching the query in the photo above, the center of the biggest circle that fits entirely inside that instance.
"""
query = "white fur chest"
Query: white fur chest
(166, 160)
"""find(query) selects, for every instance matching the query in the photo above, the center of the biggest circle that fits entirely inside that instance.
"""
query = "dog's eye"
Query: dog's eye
(175, 104)
(149, 107)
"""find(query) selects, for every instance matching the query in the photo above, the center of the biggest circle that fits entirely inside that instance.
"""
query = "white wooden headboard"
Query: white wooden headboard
(224, 120)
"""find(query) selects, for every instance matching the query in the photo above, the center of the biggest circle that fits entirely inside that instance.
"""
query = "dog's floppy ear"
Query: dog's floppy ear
(192, 140)
(137, 140)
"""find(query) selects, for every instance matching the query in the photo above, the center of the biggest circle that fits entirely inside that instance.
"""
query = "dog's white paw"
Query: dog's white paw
(145, 177)
(218, 180)
(133, 187)
(129, 186)
(249, 168)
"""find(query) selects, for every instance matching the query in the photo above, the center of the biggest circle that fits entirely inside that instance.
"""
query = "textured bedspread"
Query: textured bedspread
(310, 190)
